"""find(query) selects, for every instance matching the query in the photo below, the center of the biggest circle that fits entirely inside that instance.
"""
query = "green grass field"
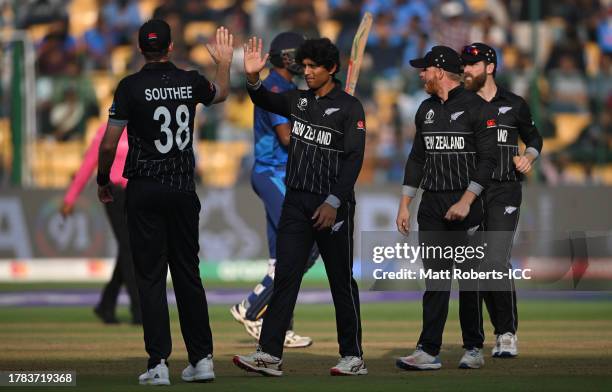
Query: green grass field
(564, 346)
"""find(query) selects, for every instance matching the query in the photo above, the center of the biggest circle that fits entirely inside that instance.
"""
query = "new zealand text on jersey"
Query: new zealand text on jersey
(444, 142)
(309, 133)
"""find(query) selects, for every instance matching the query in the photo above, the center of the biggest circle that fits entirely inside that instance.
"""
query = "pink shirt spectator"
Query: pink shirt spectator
(90, 162)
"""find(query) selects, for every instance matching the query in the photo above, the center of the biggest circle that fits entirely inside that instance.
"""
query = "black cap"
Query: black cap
(154, 36)
(441, 57)
(478, 52)
(284, 41)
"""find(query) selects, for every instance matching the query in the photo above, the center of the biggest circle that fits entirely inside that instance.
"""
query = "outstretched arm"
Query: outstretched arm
(222, 53)
(254, 62)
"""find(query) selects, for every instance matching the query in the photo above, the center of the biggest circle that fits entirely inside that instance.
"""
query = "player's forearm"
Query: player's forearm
(252, 78)
(347, 178)
(105, 161)
(413, 174)
(468, 197)
(405, 201)
(267, 100)
(222, 81)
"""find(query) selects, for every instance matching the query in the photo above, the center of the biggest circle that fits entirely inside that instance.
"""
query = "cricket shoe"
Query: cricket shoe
(472, 359)
(505, 346)
(202, 372)
(349, 366)
(419, 360)
(260, 362)
(253, 328)
(293, 340)
(157, 376)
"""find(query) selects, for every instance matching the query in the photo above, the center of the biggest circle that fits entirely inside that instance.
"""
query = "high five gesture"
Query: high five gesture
(253, 60)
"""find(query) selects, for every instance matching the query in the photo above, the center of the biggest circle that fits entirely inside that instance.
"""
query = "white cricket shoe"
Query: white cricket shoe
(349, 366)
(472, 359)
(293, 340)
(253, 328)
(157, 376)
(505, 346)
(260, 362)
(202, 372)
(419, 360)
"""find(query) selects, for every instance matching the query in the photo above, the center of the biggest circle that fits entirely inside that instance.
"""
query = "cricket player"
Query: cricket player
(503, 196)
(272, 134)
(451, 160)
(325, 156)
(157, 104)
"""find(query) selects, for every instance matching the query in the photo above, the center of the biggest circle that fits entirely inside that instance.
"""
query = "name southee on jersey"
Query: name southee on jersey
(158, 106)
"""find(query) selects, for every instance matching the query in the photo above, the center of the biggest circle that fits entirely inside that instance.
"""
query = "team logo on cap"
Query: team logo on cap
(361, 125)
(152, 36)
(491, 123)
(429, 117)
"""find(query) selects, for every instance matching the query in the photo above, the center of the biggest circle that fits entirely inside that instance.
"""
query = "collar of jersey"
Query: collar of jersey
(159, 65)
(452, 94)
(332, 94)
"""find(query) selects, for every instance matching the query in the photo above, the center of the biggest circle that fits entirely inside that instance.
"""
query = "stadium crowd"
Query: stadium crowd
(555, 53)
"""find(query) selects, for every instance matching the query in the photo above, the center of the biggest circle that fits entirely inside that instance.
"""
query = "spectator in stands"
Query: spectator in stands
(67, 117)
(57, 52)
(97, 43)
(487, 31)
(568, 87)
(302, 18)
(123, 17)
(30, 12)
(348, 14)
(604, 32)
(568, 46)
(451, 25)
(384, 47)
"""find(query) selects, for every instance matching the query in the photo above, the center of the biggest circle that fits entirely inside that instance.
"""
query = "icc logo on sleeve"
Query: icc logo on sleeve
(302, 103)
(429, 117)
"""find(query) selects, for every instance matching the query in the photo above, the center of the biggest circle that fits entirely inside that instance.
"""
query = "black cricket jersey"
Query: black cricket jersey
(513, 121)
(454, 146)
(158, 105)
(327, 139)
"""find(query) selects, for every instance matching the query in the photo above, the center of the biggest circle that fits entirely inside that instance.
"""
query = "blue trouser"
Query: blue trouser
(269, 184)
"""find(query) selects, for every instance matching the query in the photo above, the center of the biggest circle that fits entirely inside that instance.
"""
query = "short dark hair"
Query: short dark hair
(320, 50)
(155, 56)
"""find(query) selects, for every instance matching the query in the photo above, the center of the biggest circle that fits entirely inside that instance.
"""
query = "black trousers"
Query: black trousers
(432, 226)
(296, 236)
(123, 273)
(503, 201)
(163, 226)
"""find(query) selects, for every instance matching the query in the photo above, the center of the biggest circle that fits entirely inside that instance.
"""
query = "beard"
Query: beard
(431, 86)
(476, 83)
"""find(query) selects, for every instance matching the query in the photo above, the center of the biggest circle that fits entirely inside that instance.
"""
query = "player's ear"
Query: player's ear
(170, 47)
(490, 67)
(333, 69)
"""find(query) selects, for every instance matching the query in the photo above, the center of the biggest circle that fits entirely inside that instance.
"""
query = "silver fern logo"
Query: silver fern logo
(330, 111)
(456, 115)
(504, 110)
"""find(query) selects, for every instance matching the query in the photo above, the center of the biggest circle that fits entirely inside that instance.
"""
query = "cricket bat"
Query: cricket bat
(359, 44)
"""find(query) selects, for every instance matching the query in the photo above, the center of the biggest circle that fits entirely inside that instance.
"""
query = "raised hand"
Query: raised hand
(223, 49)
(253, 60)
